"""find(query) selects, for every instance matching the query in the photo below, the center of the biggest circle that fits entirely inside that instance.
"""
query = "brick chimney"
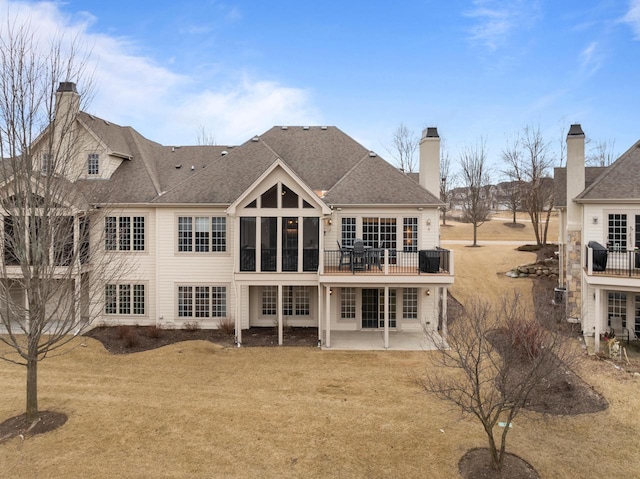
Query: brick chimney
(429, 175)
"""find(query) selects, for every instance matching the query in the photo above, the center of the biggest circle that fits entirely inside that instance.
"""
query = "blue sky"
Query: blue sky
(475, 69)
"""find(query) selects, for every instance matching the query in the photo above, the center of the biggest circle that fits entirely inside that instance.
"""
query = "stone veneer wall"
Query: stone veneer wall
(573, 274)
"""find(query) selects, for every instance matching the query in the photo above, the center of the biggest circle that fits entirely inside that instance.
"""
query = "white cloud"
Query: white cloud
(240, 112)
(496, 20)
(164, 105)
(590, 59)
(632, 17)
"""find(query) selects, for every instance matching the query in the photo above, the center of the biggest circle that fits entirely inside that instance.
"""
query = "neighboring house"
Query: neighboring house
(599, 222)
(265, 232)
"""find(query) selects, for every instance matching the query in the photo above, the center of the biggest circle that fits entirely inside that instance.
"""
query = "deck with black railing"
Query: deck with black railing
(612, 262)
(377, 261)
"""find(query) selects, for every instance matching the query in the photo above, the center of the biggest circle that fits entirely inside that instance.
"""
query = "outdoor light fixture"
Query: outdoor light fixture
(428, 221)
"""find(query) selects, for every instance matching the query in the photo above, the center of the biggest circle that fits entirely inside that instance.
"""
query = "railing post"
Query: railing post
(386, 262)
(589, 261)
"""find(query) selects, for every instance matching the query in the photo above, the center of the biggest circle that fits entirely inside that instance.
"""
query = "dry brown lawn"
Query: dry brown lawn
(198, 410)
(481, 270)
(497, 229)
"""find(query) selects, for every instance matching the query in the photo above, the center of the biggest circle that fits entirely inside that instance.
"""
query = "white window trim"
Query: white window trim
(131, 217)
(145, 284)
(193, 316)
(193, 216)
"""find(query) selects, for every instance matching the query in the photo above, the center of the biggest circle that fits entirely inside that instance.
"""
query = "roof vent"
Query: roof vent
(284, 127)
(193, 167)
(224, 153)
(372, 154)
(305, 127)
(323, 127)
(178, 167)
(255, 138)
(106, 122)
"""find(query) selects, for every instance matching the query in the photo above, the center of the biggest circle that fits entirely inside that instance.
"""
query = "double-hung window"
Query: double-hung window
(348, 231)
(410, 303)
(124, 299)
(617, 237)
(348, 303)
(93, 164)
(124, 233)
(409, 234)
(202, 301)
(202, 234)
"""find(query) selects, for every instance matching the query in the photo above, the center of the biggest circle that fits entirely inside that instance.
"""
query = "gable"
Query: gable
(279, 189)
(620, 181)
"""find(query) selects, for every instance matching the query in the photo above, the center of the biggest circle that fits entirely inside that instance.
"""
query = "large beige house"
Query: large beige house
(599, 212)
(298, 226)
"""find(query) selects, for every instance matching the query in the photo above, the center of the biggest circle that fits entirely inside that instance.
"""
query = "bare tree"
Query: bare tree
(205, 137)
(492, 362)
(512, 197)
(602, 153)
(48, 265)
(528, 162)
(405, 145)
(447, 182)
(476, 180)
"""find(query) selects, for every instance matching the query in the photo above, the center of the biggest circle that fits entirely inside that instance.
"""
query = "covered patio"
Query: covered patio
(374, 341)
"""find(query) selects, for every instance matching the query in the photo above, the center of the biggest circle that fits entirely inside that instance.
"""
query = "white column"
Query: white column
(598, 319)
(327, 316)
(320, 313)
(238, 322)
(279, 315)
(386, 317)
(443, 333)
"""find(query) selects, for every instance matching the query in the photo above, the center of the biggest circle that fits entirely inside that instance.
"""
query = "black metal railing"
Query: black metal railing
(387, 261)
(612, 262)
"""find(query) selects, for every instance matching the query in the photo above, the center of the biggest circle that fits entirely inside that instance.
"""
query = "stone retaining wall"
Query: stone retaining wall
(548, 267)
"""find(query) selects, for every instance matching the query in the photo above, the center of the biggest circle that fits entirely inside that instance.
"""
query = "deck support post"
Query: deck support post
(386, 317)
(279, 315)
(327, 316)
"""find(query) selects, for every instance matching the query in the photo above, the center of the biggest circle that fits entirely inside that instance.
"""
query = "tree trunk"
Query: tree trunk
(475, 234)
(32, 389)
(496, 457)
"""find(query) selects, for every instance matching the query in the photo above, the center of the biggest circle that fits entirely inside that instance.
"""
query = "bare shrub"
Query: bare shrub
(191, 326)
(227, 326)
(131, 338)
(154, 332)
(123, 330)
(527, 337)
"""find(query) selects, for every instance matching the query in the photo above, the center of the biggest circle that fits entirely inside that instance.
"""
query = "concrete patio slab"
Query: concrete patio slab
(374, 341)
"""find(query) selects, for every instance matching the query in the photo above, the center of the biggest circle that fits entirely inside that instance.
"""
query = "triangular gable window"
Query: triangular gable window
(253, 204)
(306, 204)
(270, 197)
(289, 197)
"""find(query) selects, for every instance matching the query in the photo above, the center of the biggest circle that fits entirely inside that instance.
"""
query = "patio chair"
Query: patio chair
(358, 256)
(618, 330)
(345, 256)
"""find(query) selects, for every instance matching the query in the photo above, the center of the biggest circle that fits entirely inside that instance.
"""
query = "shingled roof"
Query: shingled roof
(325, 158)
(620, 181)
(591, 173)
